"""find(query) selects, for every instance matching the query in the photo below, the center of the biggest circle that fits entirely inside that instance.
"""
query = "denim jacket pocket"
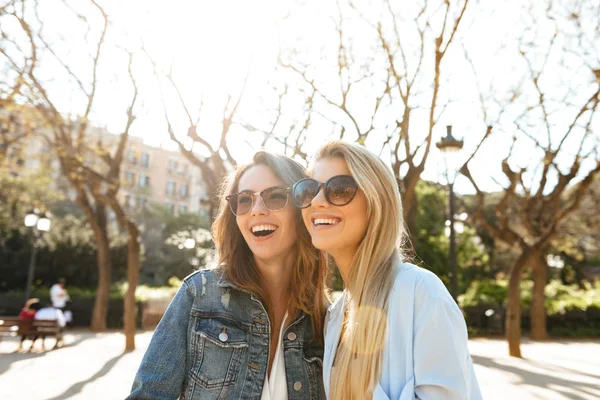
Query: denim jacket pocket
(220, 348)
(313, 361)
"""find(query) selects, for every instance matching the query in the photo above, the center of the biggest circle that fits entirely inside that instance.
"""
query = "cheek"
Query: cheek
(291, 224)
(306, 218)
(359, 217)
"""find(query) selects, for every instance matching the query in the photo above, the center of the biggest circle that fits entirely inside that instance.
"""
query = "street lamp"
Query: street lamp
(450, 148)
(39, 222)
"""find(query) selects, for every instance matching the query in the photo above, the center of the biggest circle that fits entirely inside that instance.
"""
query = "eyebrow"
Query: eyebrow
(283, 186)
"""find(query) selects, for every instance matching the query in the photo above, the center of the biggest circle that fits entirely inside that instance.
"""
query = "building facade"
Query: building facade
(148, 174)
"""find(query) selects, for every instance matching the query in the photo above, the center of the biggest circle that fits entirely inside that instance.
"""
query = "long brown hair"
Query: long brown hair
(306, 288)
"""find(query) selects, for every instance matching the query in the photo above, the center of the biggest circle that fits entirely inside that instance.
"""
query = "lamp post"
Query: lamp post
(39, 222)
(450, 148)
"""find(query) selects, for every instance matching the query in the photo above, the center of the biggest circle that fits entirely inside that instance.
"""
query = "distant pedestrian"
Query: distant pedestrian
(59, 295)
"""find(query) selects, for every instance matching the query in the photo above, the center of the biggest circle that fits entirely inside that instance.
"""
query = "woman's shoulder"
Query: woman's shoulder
(200, 280)
(418, 283)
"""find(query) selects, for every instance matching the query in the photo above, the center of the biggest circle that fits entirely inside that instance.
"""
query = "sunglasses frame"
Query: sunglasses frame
(324, 187)
(253, 197)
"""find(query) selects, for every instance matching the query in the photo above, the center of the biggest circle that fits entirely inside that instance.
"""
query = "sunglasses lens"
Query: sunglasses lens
(341, 190)
(275, 198)
(241, 203)
(304, 191)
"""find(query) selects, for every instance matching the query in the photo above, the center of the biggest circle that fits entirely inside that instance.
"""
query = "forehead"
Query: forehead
(258, 178)
(328, 167)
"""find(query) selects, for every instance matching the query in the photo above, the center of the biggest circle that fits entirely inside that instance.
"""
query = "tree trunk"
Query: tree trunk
(538, 299)
(513, 306)
(100, 311)
(409, 204)
(133, 275)
(104, 261)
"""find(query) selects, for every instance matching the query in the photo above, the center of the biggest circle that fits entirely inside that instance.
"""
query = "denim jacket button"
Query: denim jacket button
(223, 337)
(297, 386)
(291, 336)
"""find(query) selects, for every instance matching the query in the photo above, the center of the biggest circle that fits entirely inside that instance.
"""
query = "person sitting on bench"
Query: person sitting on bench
(28, 313)
(50, 313)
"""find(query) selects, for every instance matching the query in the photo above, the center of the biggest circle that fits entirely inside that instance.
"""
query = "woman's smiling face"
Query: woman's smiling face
(270, 235)
(335, 229)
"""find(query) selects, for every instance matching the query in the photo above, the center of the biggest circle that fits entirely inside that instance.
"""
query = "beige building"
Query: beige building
(148, 174)
(151, 174)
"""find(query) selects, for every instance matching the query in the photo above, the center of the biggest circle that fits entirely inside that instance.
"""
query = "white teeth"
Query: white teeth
(326, 221)
(259, 228)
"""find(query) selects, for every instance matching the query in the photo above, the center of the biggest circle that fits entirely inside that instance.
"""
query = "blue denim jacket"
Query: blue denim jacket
(213, 343)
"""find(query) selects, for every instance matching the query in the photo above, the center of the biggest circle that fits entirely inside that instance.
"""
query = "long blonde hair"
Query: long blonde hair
(359, 356)
(306, 288)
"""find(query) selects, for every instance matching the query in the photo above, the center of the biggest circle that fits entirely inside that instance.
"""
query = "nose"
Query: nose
(259, 208)
(319, 201)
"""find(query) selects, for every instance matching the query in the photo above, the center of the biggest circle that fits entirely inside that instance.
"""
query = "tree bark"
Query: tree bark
(513, 306)
(97, 218)
(538, 309)
(133, 275)
(100, 311)
(409, 204)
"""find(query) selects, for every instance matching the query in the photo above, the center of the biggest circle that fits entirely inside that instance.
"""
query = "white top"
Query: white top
(425, 354)
(58, 295)
(51, 314)
(275, 387)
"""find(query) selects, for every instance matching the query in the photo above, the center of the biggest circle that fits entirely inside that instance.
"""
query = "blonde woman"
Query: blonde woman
(396, 332)
(253, 327)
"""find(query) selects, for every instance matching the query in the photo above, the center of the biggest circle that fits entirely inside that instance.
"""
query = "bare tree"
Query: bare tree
(538, 199)
(91, 168)
(378, 94)
(196, 139)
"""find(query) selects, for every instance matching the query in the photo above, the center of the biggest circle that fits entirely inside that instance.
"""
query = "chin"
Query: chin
(322, 244)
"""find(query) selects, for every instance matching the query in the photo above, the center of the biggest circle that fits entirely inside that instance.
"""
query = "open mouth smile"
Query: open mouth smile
(325, 222)
(263, 230)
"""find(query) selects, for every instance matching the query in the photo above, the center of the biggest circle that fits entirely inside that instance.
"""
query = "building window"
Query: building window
(183, 190)
(172, 165)
(129, 178)
(132, 155)
(182, 208)
(169, 206)
(171, 186)
(145, 160)
(144, 180)
(129, 201)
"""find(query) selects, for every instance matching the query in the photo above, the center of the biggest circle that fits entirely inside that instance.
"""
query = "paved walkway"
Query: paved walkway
(93, 366)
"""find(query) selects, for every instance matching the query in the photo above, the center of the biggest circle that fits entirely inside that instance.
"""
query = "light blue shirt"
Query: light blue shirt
(426, 355)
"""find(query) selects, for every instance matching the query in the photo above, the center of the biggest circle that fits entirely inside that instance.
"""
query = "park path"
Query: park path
(93, 366)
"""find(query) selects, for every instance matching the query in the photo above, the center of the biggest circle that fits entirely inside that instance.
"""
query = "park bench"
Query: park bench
(14, 326)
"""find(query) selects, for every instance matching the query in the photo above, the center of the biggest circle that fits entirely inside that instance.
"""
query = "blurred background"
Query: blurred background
(118, 121)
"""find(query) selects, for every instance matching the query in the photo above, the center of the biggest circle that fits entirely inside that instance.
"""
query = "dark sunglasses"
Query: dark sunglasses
(339, 190)
(274, 198)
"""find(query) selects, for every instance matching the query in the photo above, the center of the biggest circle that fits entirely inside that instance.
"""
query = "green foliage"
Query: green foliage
(117, 292)
(493, 293)
(560, 298)
(164, 235)
(563, 298)
(433, 245)
(68, 250)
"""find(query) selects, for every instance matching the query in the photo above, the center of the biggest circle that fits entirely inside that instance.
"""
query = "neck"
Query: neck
(276, 275)
(343, 260)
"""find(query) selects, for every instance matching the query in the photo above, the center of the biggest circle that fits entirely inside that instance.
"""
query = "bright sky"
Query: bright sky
(213, 46)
